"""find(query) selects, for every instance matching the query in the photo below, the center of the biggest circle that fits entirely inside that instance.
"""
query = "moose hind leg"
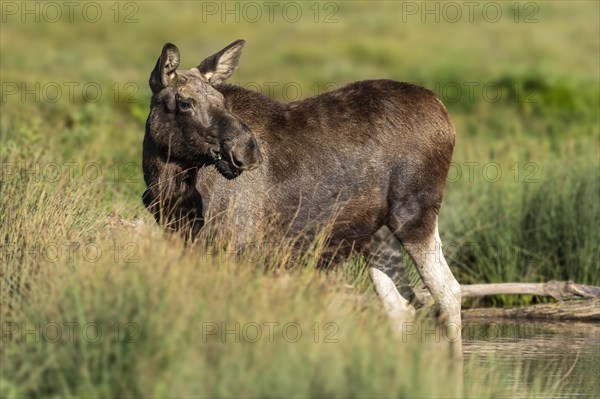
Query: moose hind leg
(422, 241)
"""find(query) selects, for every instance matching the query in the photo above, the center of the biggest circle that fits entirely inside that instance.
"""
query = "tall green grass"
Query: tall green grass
(145, 315)
(525, 220)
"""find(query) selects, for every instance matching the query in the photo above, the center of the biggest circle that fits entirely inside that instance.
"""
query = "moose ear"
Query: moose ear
(165, 68)
(220, 66)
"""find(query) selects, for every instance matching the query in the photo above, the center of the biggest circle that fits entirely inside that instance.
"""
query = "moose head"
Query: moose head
(190, 121)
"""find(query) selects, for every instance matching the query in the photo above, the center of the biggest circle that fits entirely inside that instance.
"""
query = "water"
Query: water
(564, 356)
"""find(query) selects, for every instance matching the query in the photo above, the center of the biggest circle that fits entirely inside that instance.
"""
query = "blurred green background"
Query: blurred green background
(521, 82)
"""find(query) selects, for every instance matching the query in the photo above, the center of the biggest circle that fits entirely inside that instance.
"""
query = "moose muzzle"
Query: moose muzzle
(242, 152)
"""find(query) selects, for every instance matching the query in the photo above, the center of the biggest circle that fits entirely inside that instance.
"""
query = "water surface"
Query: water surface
(564, 355)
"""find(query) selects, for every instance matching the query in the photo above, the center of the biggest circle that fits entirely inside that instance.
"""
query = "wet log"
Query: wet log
(579, 310)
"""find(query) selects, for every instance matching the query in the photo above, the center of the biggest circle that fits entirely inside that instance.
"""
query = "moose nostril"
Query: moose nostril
(242, 164)
(235, 161)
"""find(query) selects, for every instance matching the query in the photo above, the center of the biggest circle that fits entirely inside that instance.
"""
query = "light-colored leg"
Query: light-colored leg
(398, 309)
(442, 285)
(445, 290)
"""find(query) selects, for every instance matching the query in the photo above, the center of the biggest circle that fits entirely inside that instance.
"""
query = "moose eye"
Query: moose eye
(184, 105)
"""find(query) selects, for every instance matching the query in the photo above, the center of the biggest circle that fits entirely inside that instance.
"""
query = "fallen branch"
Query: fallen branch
(559, 290)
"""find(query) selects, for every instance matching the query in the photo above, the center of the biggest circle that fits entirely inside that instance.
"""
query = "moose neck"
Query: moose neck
(256, 109)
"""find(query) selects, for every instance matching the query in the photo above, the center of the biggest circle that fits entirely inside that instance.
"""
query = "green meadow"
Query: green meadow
(97, 301)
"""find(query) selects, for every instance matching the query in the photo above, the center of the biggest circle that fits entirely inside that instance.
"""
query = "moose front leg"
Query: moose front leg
(173, 199)
(182, 215)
